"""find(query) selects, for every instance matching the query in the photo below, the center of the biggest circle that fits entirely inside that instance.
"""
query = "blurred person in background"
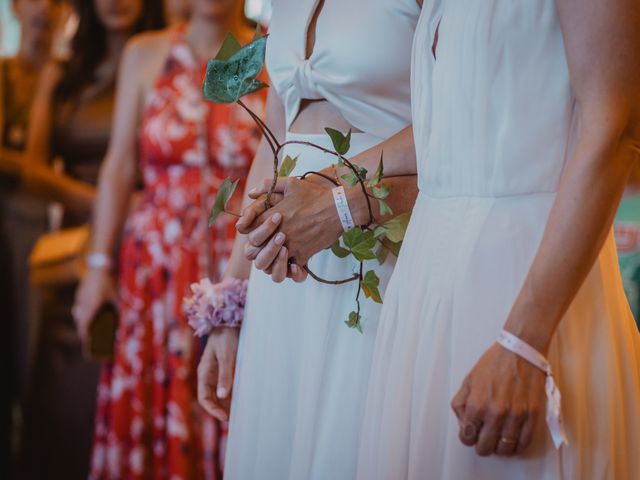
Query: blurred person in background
(71, 119)
(149, 423)
(627, 233)
(22, 217)
(177, 11)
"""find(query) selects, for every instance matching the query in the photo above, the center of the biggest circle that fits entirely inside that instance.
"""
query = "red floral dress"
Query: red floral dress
(149, 424)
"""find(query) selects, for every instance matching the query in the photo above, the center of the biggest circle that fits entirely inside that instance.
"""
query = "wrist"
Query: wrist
(358, 204)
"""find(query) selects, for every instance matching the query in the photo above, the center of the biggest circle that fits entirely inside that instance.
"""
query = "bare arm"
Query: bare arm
(500, 399)
(602, 41)
(39, 178)
(400, 176)
(118, 171)
(116, 181)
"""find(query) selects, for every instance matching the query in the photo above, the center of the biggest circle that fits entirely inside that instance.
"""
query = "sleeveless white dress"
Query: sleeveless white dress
(493, 120)
(302, 374)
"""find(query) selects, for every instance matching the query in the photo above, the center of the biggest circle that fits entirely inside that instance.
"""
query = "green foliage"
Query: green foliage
(230, 46)
(233, 72)
(385, 209)
(288, 165)
(395, 228)
(382, 253)
(377, 177)
(354, 321)
(370, 284)
(360, 243)
(381, 191)
(350, 178)
(338, 250)
(341, 143)
(222, 198)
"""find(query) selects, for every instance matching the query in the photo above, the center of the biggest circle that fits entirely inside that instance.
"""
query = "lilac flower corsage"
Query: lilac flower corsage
(215, 305)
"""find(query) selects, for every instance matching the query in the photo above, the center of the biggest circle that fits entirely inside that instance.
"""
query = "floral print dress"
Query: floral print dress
(149, 424)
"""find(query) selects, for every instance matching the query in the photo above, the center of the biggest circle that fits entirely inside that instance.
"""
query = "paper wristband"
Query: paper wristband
(531, 355)
(344, 213)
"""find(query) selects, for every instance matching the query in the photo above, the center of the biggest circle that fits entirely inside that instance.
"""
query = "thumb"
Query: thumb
(225, 377)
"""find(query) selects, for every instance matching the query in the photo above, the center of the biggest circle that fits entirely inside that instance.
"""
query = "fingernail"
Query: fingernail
(221, 392)
(240, 222)
(280, 238)
(253, 190)
(276, 218)
(294, 269)
(283, 253)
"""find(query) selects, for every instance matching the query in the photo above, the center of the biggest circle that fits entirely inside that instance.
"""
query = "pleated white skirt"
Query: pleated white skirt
(461, 267)
(302, 374)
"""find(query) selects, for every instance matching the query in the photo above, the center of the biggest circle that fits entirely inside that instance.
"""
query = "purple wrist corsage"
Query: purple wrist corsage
(215, 305)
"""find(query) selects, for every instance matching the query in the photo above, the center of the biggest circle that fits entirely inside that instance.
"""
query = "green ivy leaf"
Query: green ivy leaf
(377, 177)
(338, 250)
(354, 321)
(350, 178)
(382, 253)
(341, 143)
(385, 209)
(288, 165)
(394, 247)
(222, 198)
(362, 172)
(370, 284)
(395, 228)
(230, 46)
(229, 79)
(381, 191)
(360, 243)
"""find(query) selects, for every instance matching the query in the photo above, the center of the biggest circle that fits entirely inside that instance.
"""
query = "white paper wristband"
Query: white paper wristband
(534, 357)
(344, 213)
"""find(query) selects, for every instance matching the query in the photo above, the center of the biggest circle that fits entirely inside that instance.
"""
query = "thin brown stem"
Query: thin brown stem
(331, 282)
(326, 177)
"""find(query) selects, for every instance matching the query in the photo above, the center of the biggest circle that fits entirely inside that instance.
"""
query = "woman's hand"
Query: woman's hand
(216, 370)
(307, 219)
(499, 403)
(96, 288)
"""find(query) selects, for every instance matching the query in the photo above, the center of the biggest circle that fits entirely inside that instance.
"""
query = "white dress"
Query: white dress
(493, 120)
(302, 374)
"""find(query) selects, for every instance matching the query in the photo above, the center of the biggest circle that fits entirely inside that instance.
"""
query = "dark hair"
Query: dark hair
(89, 44)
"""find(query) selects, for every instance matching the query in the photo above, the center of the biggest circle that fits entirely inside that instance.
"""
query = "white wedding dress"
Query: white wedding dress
(302, 374)
(493, 120)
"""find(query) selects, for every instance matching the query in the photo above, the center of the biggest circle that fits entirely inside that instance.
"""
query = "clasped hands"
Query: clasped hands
(302, 221)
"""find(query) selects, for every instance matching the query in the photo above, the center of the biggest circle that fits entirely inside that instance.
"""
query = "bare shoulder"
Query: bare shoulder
(148, 46)
(144, 56)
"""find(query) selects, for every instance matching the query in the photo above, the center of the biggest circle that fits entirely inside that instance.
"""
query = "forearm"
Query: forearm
(75, 195)
(399, 155)
(115, 187)
(579, 222)
(401, 199)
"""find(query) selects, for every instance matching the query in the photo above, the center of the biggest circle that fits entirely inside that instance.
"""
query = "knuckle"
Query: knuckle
(497, 412)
